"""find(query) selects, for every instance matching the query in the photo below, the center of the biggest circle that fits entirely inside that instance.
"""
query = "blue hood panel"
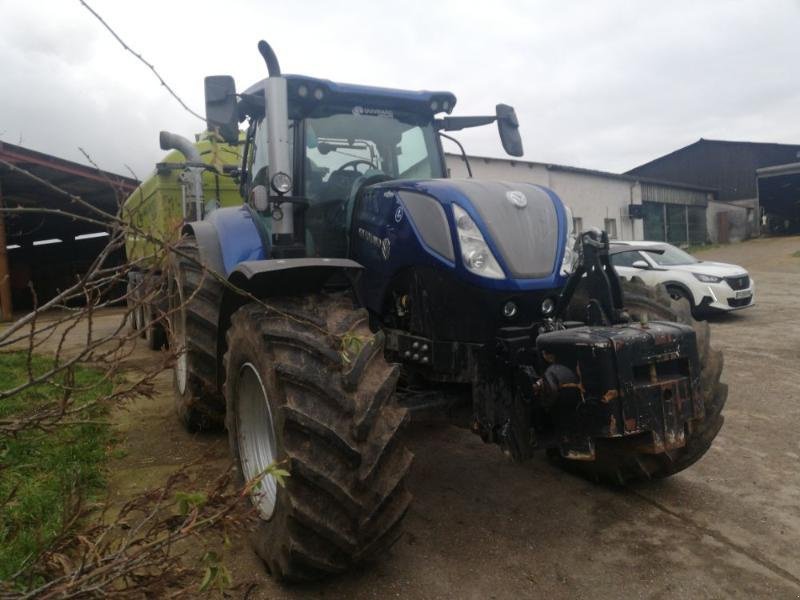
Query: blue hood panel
(388, 241)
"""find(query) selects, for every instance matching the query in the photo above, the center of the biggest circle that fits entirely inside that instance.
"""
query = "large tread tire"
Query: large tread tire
(336, 426)
(195, 296)
(617, 460)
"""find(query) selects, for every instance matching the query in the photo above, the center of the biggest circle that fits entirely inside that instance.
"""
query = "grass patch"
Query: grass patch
(796, 254)
(42, 474)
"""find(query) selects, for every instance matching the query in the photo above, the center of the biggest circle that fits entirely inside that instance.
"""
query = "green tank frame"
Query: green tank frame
(155, 208)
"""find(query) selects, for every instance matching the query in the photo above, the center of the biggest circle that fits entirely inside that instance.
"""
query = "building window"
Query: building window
(654, 229)
(677, 224)
(577, 225)
(610, 225)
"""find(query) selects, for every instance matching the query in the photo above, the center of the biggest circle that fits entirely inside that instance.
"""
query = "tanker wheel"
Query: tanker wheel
(617, 460)
(332, 422)
(155, 335)
(194, 297)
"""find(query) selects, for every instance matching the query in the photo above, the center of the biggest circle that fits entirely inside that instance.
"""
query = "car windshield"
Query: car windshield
(671, 256)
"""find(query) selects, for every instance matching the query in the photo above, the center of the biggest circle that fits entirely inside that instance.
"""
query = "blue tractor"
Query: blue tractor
(358, 284)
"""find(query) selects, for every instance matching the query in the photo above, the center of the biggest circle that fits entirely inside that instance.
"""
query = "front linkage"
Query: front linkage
(606, 377)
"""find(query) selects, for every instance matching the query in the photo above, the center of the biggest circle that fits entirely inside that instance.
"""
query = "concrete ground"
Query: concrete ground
(482, 527)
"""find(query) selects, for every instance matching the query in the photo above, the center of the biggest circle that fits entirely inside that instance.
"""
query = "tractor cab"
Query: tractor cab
(342, 138)
(313, 145)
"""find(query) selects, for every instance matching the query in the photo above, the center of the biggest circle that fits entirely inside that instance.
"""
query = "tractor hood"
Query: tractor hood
(519, 221)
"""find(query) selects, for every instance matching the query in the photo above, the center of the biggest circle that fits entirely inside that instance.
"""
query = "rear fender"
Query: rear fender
(228, 237)
(264, 279)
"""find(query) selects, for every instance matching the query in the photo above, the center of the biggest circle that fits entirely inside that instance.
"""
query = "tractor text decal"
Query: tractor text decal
(383, 245)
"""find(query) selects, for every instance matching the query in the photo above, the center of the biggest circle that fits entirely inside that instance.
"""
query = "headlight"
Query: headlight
(475, 253)
(281, 183)
(707, 278)
(570, 255)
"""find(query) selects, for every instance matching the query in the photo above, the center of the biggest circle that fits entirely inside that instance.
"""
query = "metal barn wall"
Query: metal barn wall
(593, 197)
(673, 213)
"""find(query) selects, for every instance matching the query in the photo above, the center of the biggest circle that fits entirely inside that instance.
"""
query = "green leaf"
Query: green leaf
(207, 578)
(352, 345)
(189, 500)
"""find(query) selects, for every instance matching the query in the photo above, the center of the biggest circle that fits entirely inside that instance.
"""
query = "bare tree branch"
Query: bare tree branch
(142, 60)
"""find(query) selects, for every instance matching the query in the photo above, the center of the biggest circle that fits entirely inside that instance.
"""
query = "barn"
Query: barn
(43, 246)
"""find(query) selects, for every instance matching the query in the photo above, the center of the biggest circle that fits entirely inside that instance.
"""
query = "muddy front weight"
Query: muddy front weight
(639, 381)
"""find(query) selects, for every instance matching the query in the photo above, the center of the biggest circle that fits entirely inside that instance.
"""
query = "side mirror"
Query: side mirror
(640, 264)
(222, 113)
(508, 126)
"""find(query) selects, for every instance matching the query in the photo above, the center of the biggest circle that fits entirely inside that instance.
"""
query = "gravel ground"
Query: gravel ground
(482, 527)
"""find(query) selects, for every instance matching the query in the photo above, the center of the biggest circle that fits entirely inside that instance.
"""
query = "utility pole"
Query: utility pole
(5, 273)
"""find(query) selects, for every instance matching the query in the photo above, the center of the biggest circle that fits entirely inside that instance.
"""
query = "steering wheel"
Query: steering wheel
(354, 163)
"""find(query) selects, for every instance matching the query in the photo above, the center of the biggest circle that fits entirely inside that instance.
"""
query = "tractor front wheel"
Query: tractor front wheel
(307, 388)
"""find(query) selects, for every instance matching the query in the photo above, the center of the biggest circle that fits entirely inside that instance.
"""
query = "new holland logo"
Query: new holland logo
(517, 198)
(374, 112)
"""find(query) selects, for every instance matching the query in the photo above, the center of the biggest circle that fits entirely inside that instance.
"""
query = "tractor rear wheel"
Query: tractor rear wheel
(617, 461)
(307, 387)
(194, 296)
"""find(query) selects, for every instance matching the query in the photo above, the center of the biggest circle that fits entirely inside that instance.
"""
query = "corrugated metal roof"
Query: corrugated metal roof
(100, 189)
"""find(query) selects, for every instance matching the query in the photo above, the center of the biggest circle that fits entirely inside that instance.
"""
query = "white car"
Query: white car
(709, 286)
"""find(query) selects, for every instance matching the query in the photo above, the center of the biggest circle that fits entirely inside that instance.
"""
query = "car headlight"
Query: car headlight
(570, 252)
(707, 278)
(475, 253)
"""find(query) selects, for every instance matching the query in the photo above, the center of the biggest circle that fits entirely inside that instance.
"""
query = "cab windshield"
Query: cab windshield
(366, 142)
(346, 151)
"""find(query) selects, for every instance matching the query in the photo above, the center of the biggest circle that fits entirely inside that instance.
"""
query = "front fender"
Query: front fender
(290, 276)
(278, 277)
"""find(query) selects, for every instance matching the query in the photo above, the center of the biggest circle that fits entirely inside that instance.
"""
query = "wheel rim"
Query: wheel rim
(179, 333)
(256, 437)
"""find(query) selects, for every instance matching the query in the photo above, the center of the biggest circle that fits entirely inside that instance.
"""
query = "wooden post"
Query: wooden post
(5, 273)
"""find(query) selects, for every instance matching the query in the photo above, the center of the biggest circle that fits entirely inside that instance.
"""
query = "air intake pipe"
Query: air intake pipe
(192, 176)
(173, 141)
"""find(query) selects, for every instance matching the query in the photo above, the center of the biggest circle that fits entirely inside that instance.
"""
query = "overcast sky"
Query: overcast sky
(603, 84)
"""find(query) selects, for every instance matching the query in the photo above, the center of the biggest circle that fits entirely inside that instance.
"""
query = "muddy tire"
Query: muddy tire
(194, 296)
(332, 422)
(618, 461)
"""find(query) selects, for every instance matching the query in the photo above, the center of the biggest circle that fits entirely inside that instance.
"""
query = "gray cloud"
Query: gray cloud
(604, 85)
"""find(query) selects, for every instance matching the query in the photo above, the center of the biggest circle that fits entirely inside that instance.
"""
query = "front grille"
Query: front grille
(737, 302)
(742, 282)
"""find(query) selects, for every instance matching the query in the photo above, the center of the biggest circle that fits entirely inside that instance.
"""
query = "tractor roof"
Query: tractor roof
(373, 97)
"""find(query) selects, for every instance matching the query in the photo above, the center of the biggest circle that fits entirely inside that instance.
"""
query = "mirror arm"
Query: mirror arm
(459, 123)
